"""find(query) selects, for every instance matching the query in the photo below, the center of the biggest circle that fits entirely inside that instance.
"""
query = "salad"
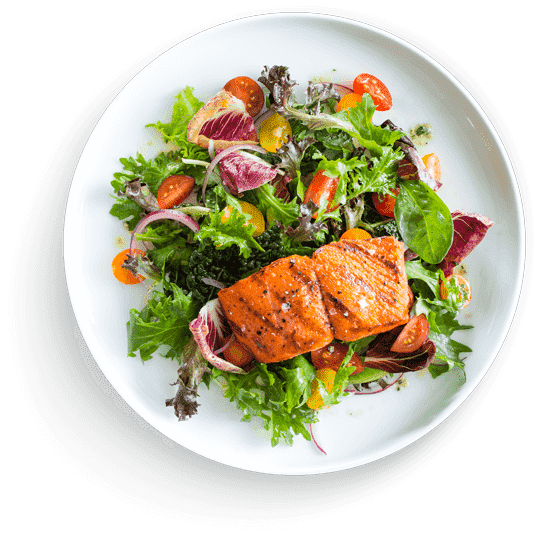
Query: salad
(320, 196)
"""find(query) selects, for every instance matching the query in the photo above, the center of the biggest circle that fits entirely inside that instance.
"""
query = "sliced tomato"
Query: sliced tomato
(124, 275)
(366, 83)
(247, 90)
(174, 190)
(322, 185)
(332, 355)
(413, 336)
(385, 204)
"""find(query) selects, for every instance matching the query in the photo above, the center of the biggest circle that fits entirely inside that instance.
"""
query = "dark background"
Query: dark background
(58, 58)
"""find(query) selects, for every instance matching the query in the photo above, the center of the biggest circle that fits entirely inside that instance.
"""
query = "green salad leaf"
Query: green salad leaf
(234, 231)
(185, 107)
(163, 322)
(423, 220)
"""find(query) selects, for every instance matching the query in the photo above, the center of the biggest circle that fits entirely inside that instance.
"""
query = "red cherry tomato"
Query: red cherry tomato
(413, 336)
(237, 354)
(247, 90)
(322, 186)
(332, 355)
(385, 205)
(366, 83)
(174, 190)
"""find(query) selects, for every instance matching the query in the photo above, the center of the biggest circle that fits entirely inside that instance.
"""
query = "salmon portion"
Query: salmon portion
(364, 286)
(278, 312)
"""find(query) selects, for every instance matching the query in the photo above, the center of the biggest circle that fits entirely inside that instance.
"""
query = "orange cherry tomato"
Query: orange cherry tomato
(348, 101)
(237, 354)
(247, 90)
(124, 275)
(322, 186)
(366, 83)
(433, 165)
(385, 205)
(413, 335)
(332, 355)
(174, 190)
(464, 287)
(356, 233)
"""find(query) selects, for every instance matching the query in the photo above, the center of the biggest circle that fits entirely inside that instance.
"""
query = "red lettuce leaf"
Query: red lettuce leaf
(469, 230)
(379, 355)
(242, 172)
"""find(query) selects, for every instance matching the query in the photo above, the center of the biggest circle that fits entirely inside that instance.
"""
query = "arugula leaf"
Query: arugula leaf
(234, 231)
(185, 107)
(423, 220)
(164, 321)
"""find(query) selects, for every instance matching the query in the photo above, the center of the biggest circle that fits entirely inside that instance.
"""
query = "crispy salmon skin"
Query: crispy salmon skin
(364, 286)
(278, 312)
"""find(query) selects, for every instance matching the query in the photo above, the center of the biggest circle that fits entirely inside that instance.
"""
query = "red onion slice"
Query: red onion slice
(158, 215)
(314, 439)
(225, 153)
(378, 389)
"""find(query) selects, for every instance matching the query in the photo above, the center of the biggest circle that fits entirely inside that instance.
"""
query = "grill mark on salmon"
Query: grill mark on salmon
(364, 286)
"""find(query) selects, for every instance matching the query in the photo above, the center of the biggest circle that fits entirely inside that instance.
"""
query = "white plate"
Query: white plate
(477, 177)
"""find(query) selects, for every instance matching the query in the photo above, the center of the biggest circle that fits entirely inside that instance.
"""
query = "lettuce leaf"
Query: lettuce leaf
(185, 107)
(234, 231)
(163, 322)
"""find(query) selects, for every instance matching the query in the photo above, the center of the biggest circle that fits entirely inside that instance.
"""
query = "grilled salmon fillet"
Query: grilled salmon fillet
(364, 286)
(278, 312)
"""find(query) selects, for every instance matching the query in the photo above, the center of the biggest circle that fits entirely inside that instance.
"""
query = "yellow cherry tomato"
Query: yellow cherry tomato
(256, 217)
(326, 376)
(274, 132)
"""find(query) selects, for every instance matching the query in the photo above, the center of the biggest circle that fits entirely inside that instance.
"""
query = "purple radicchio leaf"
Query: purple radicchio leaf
(230, 126)
(379, 355)
(139, 192)
(209, 330)
(411, 166)
(469, 230)
(241, 172)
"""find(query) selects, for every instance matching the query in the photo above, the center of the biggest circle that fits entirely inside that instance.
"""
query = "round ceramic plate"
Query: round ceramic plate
(477, 177)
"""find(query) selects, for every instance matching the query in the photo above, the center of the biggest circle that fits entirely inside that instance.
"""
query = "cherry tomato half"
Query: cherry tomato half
(432, 163)
(366, 83)
(355, 233)
(326, 376)
(322, 185)
(247, 90)
(464, 288)
(124, 275)
(348, 101)
(332, 355)
(274, 132)
(413, 336)
(385, 204)
(237, 354)
(174, 190)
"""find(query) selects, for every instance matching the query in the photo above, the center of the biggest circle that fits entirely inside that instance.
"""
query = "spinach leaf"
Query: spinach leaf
(423, 220)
